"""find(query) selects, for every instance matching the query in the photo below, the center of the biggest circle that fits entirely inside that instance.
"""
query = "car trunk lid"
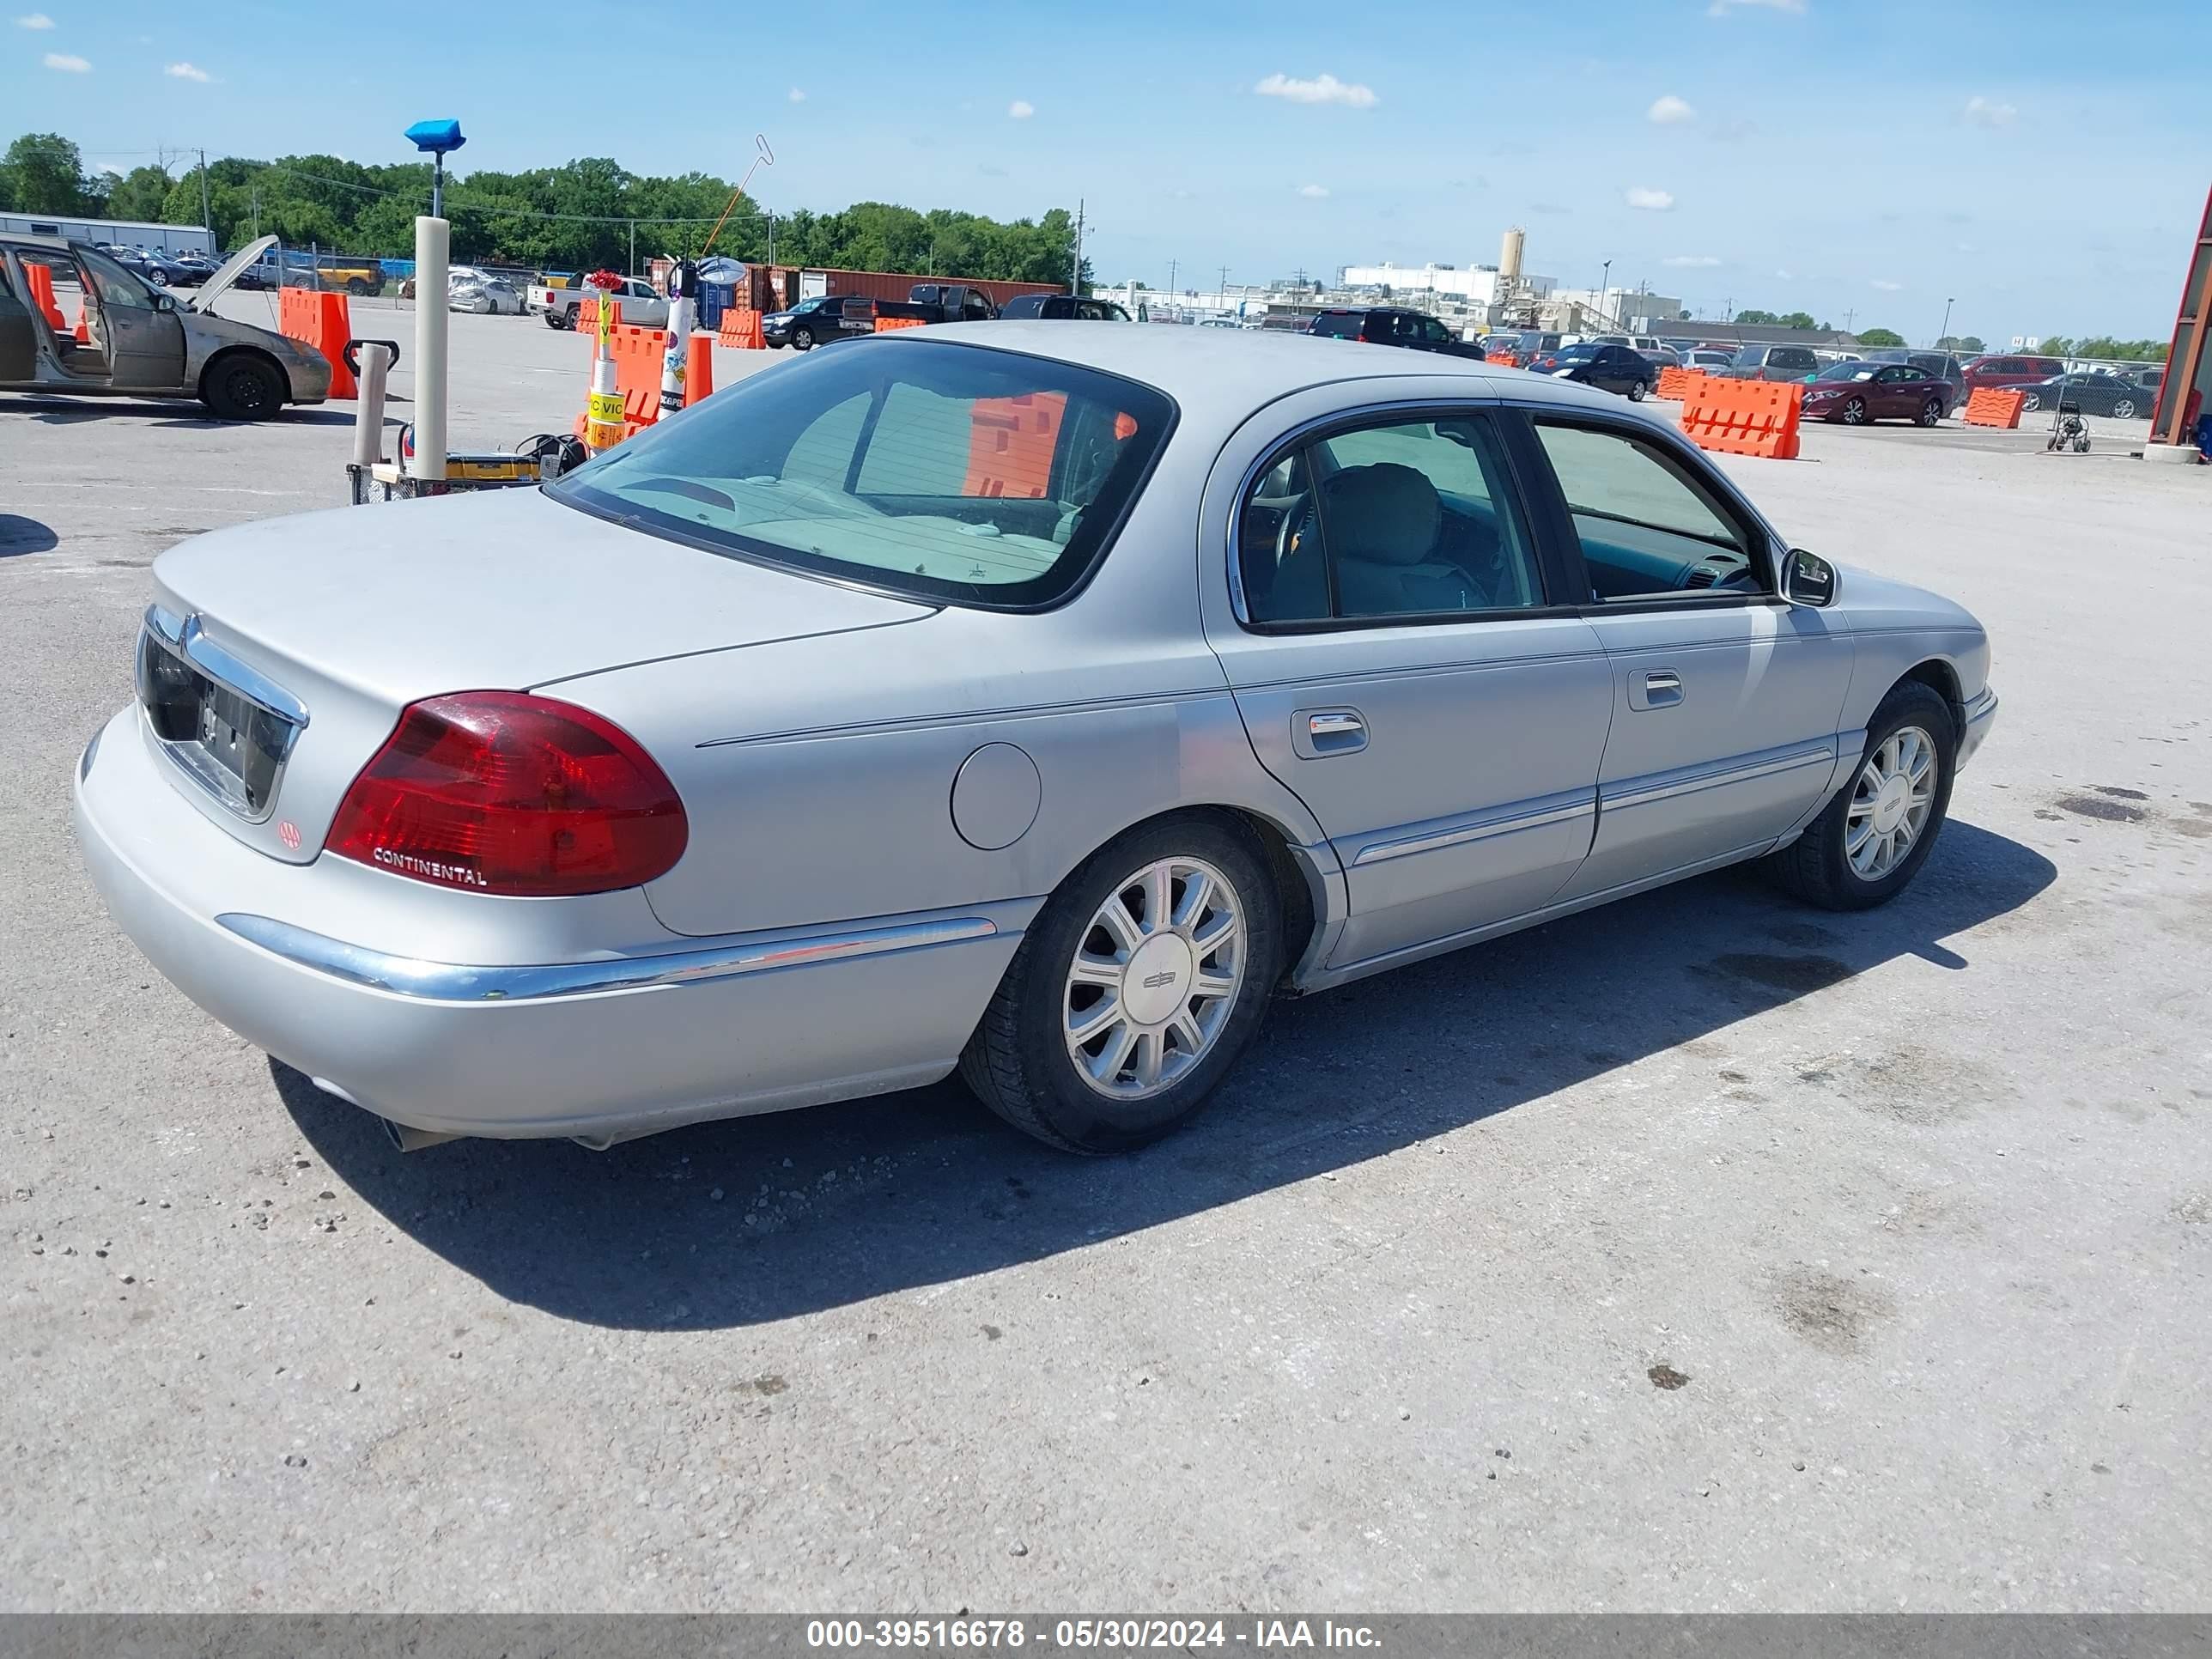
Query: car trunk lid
(285, 649)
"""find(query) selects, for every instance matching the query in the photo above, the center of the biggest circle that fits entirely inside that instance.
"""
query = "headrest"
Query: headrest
(1384, 513)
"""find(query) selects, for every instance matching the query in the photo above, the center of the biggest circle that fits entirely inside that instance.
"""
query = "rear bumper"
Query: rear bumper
(610, 1047)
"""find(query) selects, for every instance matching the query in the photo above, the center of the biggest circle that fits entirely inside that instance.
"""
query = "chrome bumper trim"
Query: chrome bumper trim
(445, 981)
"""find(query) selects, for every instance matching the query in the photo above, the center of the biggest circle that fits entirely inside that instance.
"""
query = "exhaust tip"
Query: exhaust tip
(408, 1138)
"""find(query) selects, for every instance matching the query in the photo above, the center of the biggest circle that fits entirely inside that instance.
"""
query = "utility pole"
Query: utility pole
(1075, 276)
(1848, 315)
(1225, 281)
(253, 189)
(632, 269)
(207, 213)
(1171, 276)
(1945, 334)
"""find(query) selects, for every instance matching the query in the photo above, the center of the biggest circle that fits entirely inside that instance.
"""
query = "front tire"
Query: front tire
(1854, 412)
(240, 387)
(1136, 990)
(355, 287)
(802, 339)
(2030, 402)
(1872, 838)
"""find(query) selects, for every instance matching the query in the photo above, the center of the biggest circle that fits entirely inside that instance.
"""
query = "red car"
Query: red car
(1858, 394)
(2009, 369)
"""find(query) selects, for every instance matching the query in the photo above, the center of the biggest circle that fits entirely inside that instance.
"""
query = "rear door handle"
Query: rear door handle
(1317, 733)
(1660, 687)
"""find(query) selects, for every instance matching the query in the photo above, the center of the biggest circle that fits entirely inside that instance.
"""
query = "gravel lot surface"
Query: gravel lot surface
(1702, 1253)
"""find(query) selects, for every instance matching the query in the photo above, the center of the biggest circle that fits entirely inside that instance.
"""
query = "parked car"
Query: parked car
(1773, 362)
(485, 295)
(146, 342)
(1660, 356)
(2150, 376)
(2091, 392)
(1608, 367)
(873, 751)
(1710, 359)
(2007, 369)
(1063, 308)
(1394, 325)
(638, 301)
(1532, 343)
(819, 320)
(1860, 393)
(1944, 366)
(158, 268)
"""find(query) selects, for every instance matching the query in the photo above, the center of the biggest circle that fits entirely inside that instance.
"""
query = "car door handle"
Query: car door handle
(1660, 689)
(1316, 734)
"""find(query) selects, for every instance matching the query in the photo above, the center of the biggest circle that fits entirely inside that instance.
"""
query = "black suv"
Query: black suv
(1392, 325)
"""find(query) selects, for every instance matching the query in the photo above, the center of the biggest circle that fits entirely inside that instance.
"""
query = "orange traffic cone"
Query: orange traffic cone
(698, 369)
(84, 332)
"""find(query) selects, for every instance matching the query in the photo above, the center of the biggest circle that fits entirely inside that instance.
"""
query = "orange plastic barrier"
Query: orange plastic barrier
(1501, 359)
(42, 295)
(1994, 406)
(322, 322)
(1676, 382)
(84, 324)
(1745, 417)
(698, 368)
(885, 325)
(741, 331)
(1011, 442)
(586, 315)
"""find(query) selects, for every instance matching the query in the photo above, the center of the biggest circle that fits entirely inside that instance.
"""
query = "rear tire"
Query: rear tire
(1837, 864)
(559, 320)
(1637, 391)
(2124, 409)
(242, 387)
(1931, 412)
(1193, 897)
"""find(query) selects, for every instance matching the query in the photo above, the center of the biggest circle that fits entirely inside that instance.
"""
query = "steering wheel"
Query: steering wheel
(1297, 521)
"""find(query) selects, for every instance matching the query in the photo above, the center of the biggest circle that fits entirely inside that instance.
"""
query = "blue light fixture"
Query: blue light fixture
(439, 139)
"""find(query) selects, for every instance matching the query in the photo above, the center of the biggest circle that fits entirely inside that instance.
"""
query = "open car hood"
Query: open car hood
(204, 295)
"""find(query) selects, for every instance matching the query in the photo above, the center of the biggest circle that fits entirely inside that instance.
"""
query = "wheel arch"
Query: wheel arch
(230, 353)
(1941, 677)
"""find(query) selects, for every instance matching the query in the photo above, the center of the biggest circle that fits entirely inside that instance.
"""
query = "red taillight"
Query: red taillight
(497, 792)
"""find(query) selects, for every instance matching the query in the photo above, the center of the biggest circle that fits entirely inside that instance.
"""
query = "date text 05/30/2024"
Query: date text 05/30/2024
(1112, 1634)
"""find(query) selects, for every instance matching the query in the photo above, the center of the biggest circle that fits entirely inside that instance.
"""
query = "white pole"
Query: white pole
(368, 411)
(433, 241)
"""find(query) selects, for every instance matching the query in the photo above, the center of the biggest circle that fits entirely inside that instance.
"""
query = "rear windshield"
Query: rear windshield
(1339, 325)
(933, 470)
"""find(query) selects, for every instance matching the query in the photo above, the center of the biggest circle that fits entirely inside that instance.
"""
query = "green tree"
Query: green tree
(1880, 337)
(1756, 317)
(1960, 343)
(1795, 320)
(44, 173)
(141, 193)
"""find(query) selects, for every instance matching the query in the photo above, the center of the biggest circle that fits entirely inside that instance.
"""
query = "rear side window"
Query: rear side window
(938, 471)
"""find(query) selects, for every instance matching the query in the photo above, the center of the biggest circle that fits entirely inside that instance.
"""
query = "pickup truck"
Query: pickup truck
(828, 317)
(641, 303)
(1394, 325)
(940, 303)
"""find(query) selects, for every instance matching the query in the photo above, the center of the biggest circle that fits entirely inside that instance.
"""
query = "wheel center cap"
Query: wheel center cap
(1158, 980)
(1889, 804)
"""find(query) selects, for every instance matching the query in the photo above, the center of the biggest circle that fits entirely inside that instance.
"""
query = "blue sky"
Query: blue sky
(2044, 162)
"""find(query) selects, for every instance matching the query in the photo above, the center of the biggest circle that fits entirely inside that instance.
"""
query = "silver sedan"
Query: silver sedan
(1033, 700)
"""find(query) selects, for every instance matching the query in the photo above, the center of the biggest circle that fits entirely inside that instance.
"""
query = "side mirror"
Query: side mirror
(164, 302)
(1807, 579)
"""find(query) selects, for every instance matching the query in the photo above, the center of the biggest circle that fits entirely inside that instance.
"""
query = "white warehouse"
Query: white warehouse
(1477, 285)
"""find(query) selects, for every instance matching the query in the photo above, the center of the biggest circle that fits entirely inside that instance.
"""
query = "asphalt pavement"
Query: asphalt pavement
(1705, 1252)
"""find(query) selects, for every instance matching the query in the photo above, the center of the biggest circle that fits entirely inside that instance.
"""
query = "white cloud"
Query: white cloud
(37, 20)
(1887, 286)
(68, 62)
(1691, 262)
(1670, 112)
(1982, 112)
(1322, 89)
(1313, 192)
(1787, 276)
(797, 96)
(187, 72)
(1721, 8)
(1651, 201)
(1021, 109)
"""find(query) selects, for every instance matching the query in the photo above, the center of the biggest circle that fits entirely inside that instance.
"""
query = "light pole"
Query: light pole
(439, 139)
(1604, 284)
(1945, 333)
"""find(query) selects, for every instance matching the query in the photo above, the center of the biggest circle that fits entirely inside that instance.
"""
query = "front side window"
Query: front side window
(1406, 518)
(943, 472)
(1647, 525)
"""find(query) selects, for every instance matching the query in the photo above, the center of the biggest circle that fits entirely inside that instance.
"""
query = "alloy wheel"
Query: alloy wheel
(1854, 412)
(1891, 803)
(1154, 978)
